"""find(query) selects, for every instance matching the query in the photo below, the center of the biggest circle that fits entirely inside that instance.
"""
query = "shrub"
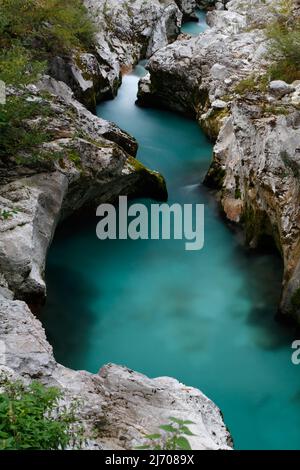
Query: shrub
(252, 83)
(32, 31)
(17, 68)
(31, 418)
(16, 135)
(284, 48)
(53, 25)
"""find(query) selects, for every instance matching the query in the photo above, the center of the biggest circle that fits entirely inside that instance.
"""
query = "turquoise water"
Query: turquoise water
(194, 27)
(203, 317)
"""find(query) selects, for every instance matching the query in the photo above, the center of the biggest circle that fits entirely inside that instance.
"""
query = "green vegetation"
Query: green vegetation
(32, 31)
(284, 49)
(275, 110)
(23, 133)
(31, 417)
(173, 437)
(6, 214)
(254, 83)
(18, 136)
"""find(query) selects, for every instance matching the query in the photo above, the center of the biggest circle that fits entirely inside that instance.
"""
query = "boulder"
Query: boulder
(279, 88)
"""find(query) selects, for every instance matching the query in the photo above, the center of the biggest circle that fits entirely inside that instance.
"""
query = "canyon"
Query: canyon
(254, 170)
(96, 164)
(256, 130)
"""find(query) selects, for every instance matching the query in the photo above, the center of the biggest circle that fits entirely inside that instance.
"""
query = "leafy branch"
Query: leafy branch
(173, 436)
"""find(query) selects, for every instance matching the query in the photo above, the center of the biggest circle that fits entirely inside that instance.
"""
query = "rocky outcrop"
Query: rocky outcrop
(188, 7)
(212, 4)
(126, 33)
(117, 406)
(220, 78)
(89, 161)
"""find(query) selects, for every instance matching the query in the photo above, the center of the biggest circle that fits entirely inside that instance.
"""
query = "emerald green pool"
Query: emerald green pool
(206, 317)
(195, 27)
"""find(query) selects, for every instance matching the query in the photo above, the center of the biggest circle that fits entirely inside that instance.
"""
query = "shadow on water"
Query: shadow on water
(67, 290)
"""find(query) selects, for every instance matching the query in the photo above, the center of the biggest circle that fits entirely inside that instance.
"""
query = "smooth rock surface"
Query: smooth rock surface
(39, 195)
(280, 88)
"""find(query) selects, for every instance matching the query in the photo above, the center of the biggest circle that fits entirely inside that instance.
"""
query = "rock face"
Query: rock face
(219, 77)
(90, 169)
(127, 32)
(118, 406)
(188, 8)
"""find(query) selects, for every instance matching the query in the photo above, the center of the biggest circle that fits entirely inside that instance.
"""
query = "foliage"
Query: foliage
(32, 31)
(16, 135)
(284, 46)
(252, 83)
(6, 214)
(16, 67)
(275, 110)
(31, 417)
(173, 437)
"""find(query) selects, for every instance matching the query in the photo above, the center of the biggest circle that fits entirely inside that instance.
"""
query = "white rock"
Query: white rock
(219, 104)
(218, 72)
(280, 88)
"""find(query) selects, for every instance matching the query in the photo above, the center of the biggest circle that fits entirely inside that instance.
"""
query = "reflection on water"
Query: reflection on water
(206, 318)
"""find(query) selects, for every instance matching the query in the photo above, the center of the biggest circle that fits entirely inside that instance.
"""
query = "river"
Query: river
(205, 317)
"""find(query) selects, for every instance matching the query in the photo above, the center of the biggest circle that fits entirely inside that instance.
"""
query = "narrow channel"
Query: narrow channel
(206, 317)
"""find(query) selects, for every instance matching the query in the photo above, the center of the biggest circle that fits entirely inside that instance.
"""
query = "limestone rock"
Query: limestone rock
(219, 104)
(96, 164)
(280, 88)
(125, 33)
(91, 170)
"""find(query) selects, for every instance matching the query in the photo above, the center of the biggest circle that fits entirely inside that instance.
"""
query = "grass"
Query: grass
(17, 135)
(253, 83)
(284, 44)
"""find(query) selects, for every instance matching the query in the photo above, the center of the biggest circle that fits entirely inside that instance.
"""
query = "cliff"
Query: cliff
(125, 33)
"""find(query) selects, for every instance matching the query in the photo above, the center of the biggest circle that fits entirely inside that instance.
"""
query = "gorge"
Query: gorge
(205, 318)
